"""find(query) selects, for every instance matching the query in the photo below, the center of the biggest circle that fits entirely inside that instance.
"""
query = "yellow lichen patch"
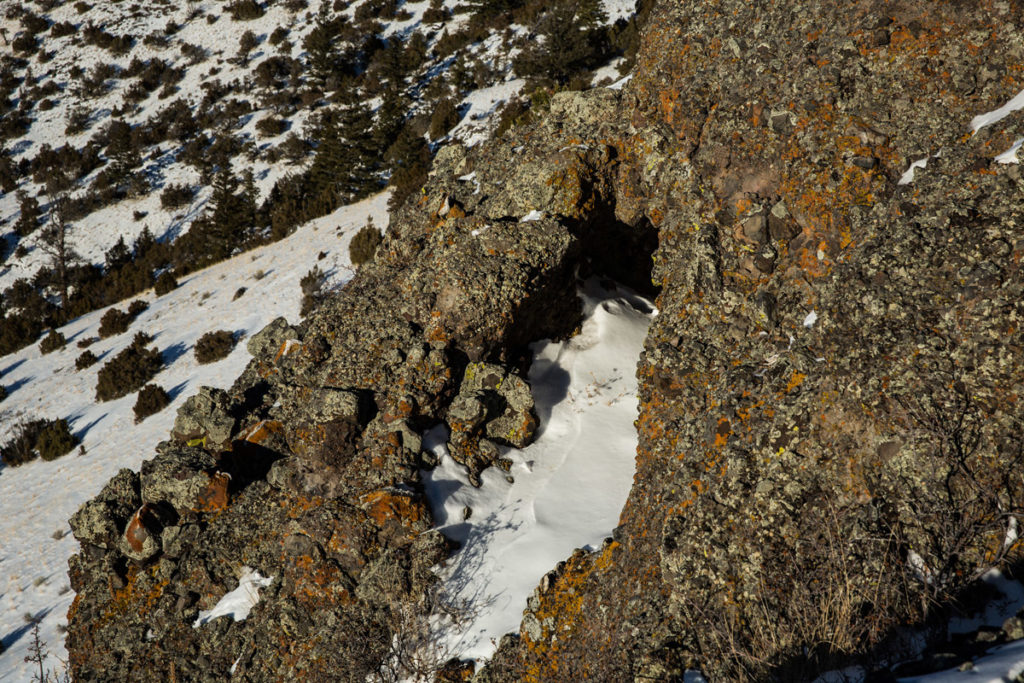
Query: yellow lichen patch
(138, 595)
(300, 505)
(722, 433)
(562, 611)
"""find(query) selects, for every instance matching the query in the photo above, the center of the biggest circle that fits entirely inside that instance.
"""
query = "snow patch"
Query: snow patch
(997, 115)
(1010, 155)
(810, 319)
(238, 603)
(569, 485)
(908, 175)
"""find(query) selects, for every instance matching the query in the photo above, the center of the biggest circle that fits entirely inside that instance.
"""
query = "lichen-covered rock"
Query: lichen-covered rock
(206, 419)
(308, 468)
(270, 338)
(830, 388)
(493, 406)
(141, 538)
(179, 477)
(826, 388)
(100, 521)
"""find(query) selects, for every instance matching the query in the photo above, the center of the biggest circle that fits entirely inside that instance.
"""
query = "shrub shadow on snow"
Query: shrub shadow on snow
(15, 635)
(175, 391)
(12, 367)
(74, 336)
(180, 220)
(465, 595)
(174, 352)
(20, 147)
(16, 384)
(475, 539)
(80, 433)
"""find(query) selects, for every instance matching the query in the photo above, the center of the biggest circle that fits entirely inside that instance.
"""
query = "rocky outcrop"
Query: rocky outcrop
(830, 415)
(307, 469)
(830, 423)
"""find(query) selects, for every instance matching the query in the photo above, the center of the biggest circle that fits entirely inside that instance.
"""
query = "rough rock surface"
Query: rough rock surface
(830, 425)
(808, 485)
(493, 407)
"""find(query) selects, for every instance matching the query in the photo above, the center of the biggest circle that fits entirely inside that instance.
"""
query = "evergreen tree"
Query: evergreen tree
(345, 164)
(123, 155)
(118, 256)
(409, 159)
(246, 44)
(390, 117)
(224, 221)
(28, 220)
(54, 242)
(320, 44)
(391, 62)
(8, 172)
(493, 7)
(574, 40)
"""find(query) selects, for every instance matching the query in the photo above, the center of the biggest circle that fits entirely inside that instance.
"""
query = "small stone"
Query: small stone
(1014, 628)
(867, 163)
(531, 627)
(987, 635)
(205, 419)
(298, 545)
(270, 337)
(764, 261)
(755, 229)
(781, 122)
(141, 536)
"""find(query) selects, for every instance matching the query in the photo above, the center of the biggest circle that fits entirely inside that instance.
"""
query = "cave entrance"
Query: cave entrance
(621, 252)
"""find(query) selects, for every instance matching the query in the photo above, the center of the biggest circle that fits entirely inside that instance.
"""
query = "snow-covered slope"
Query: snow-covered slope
(37, 498)
(202, 40)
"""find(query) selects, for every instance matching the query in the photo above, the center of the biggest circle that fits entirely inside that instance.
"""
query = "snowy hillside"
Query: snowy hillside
(247, 80)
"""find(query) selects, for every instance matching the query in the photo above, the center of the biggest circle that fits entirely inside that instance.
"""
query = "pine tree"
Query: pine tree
(319, 44)
(225, 220)
(54, 242)
(573, 41)
(123, 155)
(390, 117)
(118, 256)
(346, 160)
(28, 220)
(409, 159)
(246, 44)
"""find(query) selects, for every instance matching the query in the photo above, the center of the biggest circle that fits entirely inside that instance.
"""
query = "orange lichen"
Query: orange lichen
(384, 506)
(795, 380)
(261, 431)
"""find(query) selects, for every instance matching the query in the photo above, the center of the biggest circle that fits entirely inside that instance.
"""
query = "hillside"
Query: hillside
(708, 374)
(215, 127)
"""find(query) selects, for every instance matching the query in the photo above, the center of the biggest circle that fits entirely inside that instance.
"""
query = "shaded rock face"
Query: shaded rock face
(830, 430)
